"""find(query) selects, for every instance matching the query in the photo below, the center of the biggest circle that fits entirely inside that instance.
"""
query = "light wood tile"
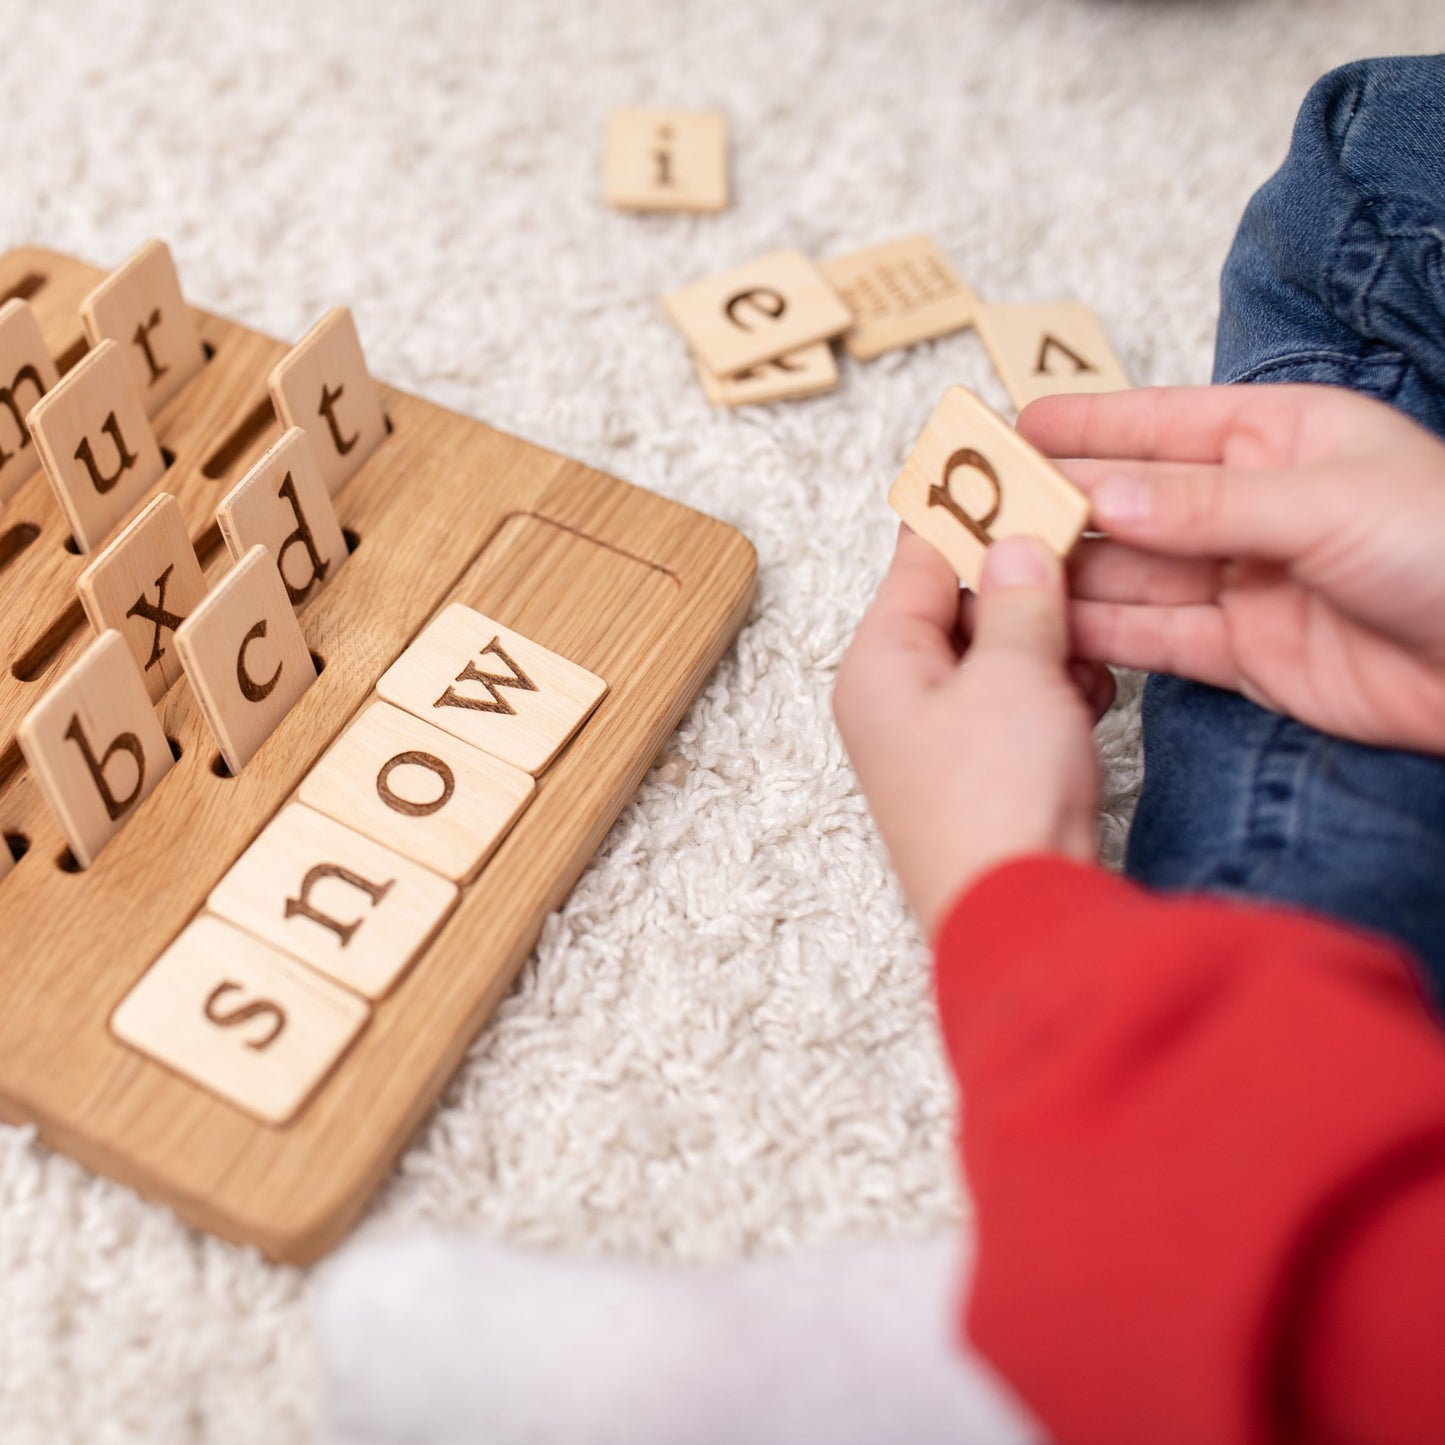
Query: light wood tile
(239, 1018)
(7, 859)
(492, 687)
(334, 899)
(144, 584)
(282, 504)
(771, 307)
(971, 479)
(437, 800)
(96, 444)
(786, 378)
(322, 385)
(667, 160)
(246, 656)
(1044, 348)
(140, 307)
(900, 293)
(95, 746)
(26, 374)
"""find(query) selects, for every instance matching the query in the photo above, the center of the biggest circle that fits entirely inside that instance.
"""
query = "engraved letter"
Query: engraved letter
(1041, 366)
(7, 400)
(492, 681)
(663, 157)
(84, 454)
(302, 535)
(399, 804)
(327, 409)
(761, 298)
(252, 690)
(302, 904)
(262, 1008)
(142, 338)
(156, 614)
(940, 496)
(127, 742)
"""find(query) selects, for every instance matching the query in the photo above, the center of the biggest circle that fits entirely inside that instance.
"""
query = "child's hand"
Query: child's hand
(965, 766)
(1283, 541)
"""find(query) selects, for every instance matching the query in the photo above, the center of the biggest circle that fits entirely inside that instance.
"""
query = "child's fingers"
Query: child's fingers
(1102, 570)
(1020, 604)
(1095, 684)
(1185, 641)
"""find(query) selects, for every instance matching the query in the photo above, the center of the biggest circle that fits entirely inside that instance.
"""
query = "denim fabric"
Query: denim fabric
(1337, 275)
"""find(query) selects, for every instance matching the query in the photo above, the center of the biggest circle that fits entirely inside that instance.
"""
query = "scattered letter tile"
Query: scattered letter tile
(492, 687)
(667, 160)
(1043, 348)
(971, 479)
(26, 374)
(322, 385)
(438, 801)
(786, 378)
(96, 444)
(770, 307)
(144, 584)
(246, 656)
(335, 899)
(95, 746)
(140, 307)
(239, 1018)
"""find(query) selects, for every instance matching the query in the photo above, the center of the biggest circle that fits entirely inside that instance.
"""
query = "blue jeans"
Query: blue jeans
(1337, 275)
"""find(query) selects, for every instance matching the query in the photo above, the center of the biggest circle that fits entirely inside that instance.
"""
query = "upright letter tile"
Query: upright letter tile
(900, 293)
(418, 790)
(246, 656)
(334, 899)
(282, 504)
(971, 479)
(140, 306)
(771, 307)
(786, 378)
(1041, 349)
(144, 584)
(492, 687)
(97, 444)
(667, 160)
(322, 385)
(232, 1014)
(95, 746)
(26, 374)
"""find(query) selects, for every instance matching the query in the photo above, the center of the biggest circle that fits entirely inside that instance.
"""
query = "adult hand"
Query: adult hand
(971, 736)
(1283, 541)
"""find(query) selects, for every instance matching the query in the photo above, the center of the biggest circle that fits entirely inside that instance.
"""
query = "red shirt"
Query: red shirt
(1207, 1148)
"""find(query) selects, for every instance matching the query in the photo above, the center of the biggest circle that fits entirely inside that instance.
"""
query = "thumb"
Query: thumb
(1021, 601)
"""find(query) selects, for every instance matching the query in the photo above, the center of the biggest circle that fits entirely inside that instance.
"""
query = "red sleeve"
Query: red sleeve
(1207, 1149)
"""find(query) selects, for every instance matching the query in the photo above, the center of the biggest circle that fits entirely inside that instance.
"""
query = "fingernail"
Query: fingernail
(1121, 499)
(1017, 562)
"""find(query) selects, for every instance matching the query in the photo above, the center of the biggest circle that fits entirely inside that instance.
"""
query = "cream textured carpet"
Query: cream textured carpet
(723, 1046)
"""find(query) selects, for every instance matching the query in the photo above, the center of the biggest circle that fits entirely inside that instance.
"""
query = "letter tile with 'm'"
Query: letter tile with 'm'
(96, 444)
(144, 584)
(140, 307)
(239, 1018)
(323, 386)
(95, 746)
(335, 899)
(26, 374)
(246, 656)
(282, 504)
(416, 789)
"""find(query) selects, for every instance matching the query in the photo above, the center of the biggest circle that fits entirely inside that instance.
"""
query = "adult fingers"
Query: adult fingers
(1020, 605)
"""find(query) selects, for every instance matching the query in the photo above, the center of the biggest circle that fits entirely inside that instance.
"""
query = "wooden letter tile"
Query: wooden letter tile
(771, 307)
(95, 746)
(667, 160)
(26, 374)
(418, 790)
(334, 899)
(7, 859)
(282, 504)
(139, 306)
(786, 378)
(96, 444)
(492, 687)
(1041, 349)
(246, 656)
(144, 584)
(239, 1018)
(900, 293)
(322, 385)
(971, 479)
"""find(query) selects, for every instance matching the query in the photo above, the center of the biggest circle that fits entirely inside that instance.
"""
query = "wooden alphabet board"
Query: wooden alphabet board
(637, 591)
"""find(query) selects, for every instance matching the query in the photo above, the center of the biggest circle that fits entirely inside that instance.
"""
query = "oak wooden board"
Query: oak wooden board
(638, 590)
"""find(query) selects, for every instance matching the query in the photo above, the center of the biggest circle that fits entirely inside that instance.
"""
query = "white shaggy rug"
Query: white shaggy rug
(723, 1047)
